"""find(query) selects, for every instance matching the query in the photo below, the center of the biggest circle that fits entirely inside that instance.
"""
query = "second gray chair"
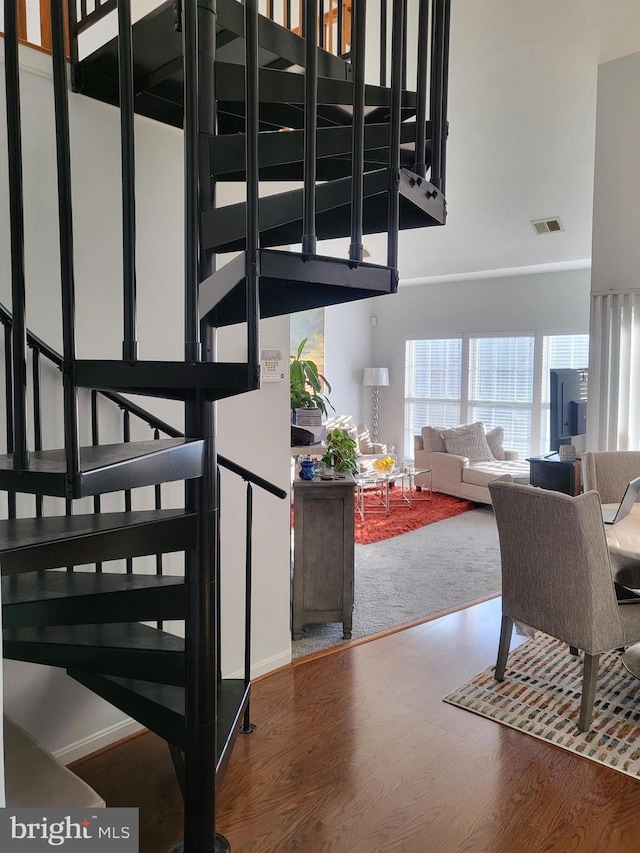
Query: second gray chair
(557, 578)
(609, 472)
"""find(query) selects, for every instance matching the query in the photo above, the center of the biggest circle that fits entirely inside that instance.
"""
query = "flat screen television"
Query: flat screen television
(568, 405)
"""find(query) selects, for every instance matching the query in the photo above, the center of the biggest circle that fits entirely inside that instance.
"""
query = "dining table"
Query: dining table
(623, 538)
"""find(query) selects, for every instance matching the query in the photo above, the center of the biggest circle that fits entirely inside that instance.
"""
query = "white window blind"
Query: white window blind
(613, 414)
(501, 387)
(433, 370)
(558, 351)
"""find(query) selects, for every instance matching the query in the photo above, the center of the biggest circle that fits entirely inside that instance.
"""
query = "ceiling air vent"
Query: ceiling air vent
(547, 226)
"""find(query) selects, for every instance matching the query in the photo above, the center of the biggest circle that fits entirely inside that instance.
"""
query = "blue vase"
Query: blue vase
(306, 469)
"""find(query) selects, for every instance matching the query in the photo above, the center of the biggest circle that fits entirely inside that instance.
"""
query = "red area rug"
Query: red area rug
(403, 518)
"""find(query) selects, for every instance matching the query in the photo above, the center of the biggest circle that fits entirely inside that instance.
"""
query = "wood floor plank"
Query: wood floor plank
(355, 752)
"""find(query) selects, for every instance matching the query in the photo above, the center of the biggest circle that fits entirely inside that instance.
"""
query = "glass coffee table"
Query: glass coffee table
(393, 487)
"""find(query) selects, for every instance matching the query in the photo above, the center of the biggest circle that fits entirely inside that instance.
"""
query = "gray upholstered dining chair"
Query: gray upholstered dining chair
(609, 472)
(557, 577)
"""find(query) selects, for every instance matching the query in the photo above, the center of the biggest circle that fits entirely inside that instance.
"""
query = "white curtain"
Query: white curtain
(613, 414)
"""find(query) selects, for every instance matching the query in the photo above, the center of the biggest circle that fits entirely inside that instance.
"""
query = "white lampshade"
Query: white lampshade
(376, 376)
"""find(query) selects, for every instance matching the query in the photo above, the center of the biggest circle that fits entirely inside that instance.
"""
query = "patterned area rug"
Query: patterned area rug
(540, 696)
(402, 518)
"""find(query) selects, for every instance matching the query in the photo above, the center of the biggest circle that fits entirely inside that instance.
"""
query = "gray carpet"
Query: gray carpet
(409, 577)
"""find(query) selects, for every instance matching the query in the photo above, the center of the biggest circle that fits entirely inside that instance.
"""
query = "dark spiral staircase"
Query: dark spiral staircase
(256, 102)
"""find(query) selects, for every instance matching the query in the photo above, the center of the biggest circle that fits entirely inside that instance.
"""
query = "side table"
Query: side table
(550, 472)
(323, 553)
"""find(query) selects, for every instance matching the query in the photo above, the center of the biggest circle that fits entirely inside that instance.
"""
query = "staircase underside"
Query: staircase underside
(161, 707)
(158, 70)
(280, 153)
(290, 282)
(421, 204)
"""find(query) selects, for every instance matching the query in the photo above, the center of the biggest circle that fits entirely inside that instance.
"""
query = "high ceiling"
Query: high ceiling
(522, 99)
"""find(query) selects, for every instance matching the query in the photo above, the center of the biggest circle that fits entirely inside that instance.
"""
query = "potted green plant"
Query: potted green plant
(307, 385)
(341, 451)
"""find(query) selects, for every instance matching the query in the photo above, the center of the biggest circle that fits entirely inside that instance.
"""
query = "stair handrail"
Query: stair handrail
(34, 342)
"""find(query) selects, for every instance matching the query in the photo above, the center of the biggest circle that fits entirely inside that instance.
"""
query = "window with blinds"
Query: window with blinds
(501, 387)
(558, 351)
(433, 374)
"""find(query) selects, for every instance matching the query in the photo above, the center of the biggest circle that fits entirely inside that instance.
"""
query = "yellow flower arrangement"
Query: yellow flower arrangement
(387, 464)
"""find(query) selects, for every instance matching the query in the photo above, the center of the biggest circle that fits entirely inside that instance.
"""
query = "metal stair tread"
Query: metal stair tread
(281, 155)
(47, 586)
(290, 282)
(92, 458)
(174, 380)
(132, 636)
(421, 204)
(106, 467)
(21, 533)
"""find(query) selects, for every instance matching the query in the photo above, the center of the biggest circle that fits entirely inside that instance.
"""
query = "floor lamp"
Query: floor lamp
(375, 377)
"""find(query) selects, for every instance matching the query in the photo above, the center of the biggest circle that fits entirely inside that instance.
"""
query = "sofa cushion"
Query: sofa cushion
(468, 440)
(481, 473)
(432, 441)
(495, 437)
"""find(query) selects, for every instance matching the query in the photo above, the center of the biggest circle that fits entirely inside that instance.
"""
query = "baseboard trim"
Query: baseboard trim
(264, 667)
(98, 741)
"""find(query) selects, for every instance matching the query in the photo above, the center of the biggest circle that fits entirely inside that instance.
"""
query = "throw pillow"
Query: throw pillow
(495, 437)
(468, 440)
(432, 441)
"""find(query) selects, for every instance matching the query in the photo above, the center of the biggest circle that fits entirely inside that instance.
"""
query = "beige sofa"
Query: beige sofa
(366, 449)
(460, 475)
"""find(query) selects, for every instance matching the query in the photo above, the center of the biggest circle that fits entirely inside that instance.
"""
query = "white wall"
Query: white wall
(616, 210)
(550, 303)
(254, 431)
(348, 350)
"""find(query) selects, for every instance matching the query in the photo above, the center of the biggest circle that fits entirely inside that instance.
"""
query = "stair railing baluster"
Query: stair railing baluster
(248, 727)
(191, 181)
(445, 90)
(404, 46)
(397, 63)
(384, 26)
(270, 10)
(158, 505)
(310, 19)
(252, 127)
(68, 510)
(321, 24)
(95, 441)
(340, 26)
(420, 162)
(127, 149)
(16, 223)
(126, 437)
(37, 414)
(358, 46)
(287, 14)
(65, 227)
(435, 108)
(8, 390)
(218, 571)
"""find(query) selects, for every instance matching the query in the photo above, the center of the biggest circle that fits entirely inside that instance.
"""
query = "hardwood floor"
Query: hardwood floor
(355, 752)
